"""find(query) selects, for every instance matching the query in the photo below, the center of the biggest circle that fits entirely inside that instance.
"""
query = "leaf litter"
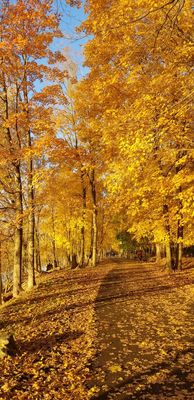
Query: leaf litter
(118, 331)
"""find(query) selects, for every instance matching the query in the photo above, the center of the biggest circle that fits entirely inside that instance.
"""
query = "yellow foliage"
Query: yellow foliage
(137, 99)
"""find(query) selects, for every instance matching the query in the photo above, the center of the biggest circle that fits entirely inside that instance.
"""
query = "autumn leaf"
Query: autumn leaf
(115, 368)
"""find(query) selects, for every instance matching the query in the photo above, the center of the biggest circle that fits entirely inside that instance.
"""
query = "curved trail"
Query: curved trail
(144, 336)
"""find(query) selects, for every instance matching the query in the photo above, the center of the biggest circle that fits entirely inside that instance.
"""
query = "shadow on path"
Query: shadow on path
(137, 357)
(47, 344)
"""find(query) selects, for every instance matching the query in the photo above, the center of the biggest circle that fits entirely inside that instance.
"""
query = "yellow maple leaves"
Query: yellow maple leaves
(115, 368)
(139, 99)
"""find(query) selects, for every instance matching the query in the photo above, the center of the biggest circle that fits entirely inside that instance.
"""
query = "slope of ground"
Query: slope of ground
(119, 331)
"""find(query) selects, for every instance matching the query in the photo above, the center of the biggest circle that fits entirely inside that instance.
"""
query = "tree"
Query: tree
(27, 117)
(140, 105)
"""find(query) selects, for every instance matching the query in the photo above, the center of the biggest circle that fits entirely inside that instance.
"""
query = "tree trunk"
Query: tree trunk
(17, 263)
(94, 247)
(158, 252)
(37, 245)
(38, 257)
(18, 189)
(179, 249)
(169, 259)
(18, 236)
(31, 237)
(55, 264)
(94, 219)
(31, 241)
(180, 228)
(169, 255)
(82, 252)
(101, 239)
(1, 286)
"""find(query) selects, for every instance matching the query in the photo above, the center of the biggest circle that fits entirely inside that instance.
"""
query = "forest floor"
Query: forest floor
(119, 331)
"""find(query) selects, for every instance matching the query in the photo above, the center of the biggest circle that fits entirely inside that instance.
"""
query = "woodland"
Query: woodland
(98, 164)
(96, 196)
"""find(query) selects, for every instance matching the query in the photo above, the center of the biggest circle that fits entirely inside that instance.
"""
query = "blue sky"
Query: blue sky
(73, 42)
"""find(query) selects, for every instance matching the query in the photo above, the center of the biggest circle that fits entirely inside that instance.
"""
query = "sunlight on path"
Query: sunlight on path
(144, 336)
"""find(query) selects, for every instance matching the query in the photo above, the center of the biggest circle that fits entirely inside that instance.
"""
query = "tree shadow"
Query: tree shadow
(111, 289)
(112, 369)
(167, 385)
(40, 316)
(46, 343)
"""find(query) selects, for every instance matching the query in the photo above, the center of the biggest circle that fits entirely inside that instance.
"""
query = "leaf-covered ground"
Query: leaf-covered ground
(119, 331)
(145, 335)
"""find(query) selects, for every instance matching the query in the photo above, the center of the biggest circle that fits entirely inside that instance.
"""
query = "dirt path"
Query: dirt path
(144, 336)
(119, 331)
